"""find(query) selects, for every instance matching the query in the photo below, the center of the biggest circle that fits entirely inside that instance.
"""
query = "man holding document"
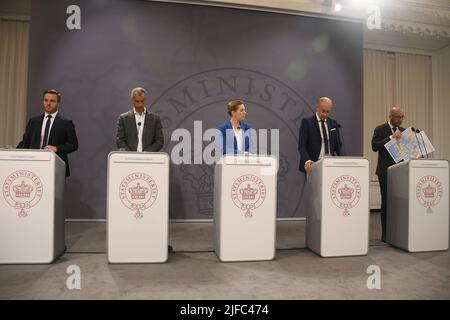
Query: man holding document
(382, 135)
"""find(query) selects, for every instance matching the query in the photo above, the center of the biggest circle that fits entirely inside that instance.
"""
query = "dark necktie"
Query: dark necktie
(46, 132)
(325, 137)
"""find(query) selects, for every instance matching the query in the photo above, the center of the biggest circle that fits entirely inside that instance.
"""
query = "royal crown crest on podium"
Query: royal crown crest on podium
(250, 197)
(346, 192)
(23, 190)
(138, 192)
(248, 193)
(429, 192)
(24, 195)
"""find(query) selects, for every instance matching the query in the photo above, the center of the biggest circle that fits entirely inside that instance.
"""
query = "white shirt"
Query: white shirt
(322, 148)
(238, 135)
(392, 127)
(44, 123)
(140, 118)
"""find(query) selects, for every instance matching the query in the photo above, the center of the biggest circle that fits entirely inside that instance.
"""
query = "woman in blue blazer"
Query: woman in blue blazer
(236, 133)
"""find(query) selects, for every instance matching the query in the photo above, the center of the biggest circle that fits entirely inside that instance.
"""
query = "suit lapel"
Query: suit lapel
(147, 123)
(41, 119)
(36, 139)
(388, 130)
(131, 119)
(316, 125)
(229, 126)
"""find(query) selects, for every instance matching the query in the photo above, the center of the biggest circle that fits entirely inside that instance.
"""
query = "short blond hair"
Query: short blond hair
(53, 91)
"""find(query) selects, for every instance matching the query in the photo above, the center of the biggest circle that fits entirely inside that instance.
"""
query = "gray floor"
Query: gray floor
(194, 272)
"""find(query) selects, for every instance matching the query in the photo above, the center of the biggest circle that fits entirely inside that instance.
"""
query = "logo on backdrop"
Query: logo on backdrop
(138, 192)
(248, 192)
(345, 193)
(429, 192)
(204, 96)
(22, 190)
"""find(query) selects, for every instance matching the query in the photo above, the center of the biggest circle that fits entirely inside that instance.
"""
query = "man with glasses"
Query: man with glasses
(381, 135)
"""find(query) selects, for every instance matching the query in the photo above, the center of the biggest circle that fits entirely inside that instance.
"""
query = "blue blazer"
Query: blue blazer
(310, 141)
(231, 145)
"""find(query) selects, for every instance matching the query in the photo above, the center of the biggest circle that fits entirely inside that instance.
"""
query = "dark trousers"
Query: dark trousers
(382, 180)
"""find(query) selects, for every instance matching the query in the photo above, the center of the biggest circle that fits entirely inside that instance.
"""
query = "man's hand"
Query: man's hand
(51, 148)
(309, 166)
(397, 134)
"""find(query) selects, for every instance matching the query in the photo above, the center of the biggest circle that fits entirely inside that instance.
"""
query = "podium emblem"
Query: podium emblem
(248, 192)
(429, 192)
(22, 190)
(345, 193)
(138, 191)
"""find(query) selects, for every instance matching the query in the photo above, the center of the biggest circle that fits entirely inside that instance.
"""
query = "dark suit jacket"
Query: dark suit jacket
(380, 138)
(127, 134)
(231, 146)
(62, 135)
(310, 141)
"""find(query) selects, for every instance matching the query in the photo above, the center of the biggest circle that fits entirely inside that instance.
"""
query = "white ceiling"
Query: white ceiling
(412, 24)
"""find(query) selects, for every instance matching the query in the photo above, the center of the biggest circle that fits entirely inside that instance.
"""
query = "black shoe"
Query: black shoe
(170, 249)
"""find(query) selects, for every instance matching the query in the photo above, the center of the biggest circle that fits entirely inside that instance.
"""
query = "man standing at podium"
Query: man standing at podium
(381, 135)
(318, 136)
(139, 129)
(51, 131)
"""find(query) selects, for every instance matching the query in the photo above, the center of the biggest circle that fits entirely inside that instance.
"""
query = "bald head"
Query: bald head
(396, 116)
(324, 107)
(325, 100)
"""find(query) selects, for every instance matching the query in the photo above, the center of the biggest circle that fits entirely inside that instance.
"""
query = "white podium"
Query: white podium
(31, 206)
(337, 207)
(418, 205)
(138, 207)
(245, 204)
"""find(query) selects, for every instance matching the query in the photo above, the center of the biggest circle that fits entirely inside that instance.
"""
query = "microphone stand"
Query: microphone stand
(417, 139)
(341, 139)
(423, 142)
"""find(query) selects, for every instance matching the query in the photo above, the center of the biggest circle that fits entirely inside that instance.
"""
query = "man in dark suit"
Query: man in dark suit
(318, 136)
(51, 131)
(381, 135)
(139, 129)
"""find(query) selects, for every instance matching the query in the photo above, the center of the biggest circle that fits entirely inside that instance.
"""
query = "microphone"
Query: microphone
(417, 139)
(340, 138)
(423, 142)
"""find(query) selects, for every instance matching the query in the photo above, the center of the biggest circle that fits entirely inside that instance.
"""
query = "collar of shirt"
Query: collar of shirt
(318, 118)
(238, 127)
(390, 125)
(137, 113)
(52, 114)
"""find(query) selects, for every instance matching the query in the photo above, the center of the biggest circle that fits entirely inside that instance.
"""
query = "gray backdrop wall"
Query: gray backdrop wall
(192, 59)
